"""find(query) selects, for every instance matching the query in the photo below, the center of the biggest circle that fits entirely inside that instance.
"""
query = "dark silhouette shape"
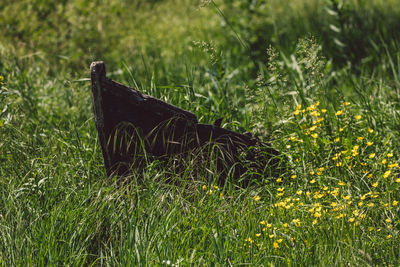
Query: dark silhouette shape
(217, 122)
(133, 126)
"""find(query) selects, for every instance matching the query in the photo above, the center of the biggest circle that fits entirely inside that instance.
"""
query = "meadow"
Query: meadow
(319, 80)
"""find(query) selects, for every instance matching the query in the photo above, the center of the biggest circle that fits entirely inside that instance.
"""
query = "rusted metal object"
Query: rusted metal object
(132, 125)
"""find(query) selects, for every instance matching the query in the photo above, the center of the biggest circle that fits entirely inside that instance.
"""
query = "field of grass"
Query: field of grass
(319, 80)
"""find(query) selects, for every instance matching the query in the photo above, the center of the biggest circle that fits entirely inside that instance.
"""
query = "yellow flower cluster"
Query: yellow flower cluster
(342, 173)
(212, 190)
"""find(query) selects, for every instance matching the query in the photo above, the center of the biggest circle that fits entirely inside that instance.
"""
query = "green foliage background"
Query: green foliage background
(252, 63)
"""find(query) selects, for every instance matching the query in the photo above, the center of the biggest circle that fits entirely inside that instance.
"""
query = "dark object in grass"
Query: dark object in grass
(133, 127)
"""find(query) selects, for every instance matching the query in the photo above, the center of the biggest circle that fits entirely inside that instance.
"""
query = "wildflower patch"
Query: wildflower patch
(344, 179)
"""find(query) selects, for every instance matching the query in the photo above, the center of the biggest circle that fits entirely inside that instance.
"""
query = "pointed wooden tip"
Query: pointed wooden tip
(98, 69)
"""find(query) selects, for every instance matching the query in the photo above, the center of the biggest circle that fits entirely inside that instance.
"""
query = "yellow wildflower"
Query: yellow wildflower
(312, 181)
(395, 203)
(204, 187)
(370, 130)
(296, 221)
(313, 128)
(341, 215)
(314, 135)
(358, 117)
(311, 108)
(390, 155)
(294, 176)
(338, 113)
(375, 184)
(279, 180)
(393, 165)
(256, 198)
(318, 120)
(249, 240)
(370, 143)
(371, 156)
(386, 174)
(276, 245)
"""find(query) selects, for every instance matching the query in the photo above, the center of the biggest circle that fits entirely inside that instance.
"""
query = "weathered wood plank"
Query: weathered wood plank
(129, 122)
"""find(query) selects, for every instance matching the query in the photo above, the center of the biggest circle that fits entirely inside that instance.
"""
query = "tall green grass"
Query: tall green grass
(272, 68)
